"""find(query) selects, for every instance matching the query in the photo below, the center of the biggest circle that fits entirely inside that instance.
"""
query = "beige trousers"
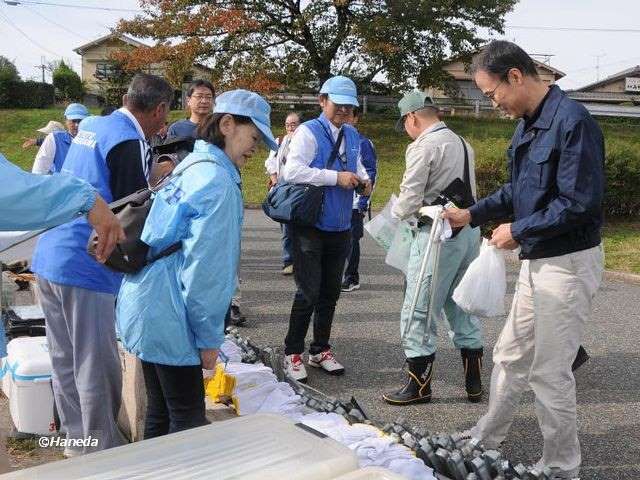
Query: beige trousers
(536, 348)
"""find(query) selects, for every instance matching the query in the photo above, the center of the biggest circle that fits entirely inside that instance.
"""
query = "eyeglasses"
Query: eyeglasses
(490, 95)
(206, 98)
(345, 107)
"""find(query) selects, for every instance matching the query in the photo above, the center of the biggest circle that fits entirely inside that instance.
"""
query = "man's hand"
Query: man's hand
(457, 217)
(502, 238)
(28, 142)
(347, 180)
(273, 179)
(209, 358)
(107, 227)
(368, 188)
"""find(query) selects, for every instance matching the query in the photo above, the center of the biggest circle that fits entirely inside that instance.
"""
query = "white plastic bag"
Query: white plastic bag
(400, 248)
(482, 289)
(383, 226)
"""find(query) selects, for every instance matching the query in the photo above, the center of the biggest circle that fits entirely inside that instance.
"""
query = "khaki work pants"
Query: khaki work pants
(536, 348)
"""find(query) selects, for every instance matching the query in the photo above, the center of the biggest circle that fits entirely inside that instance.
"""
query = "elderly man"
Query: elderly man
(274, 164)
(56, 144)
(554, 194)
(319, 252)
(436, 158)
(200, 97)
(32, 202)
(77, 293)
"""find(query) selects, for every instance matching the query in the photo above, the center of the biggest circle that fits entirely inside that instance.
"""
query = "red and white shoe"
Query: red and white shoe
(327, 362)
(294, 367)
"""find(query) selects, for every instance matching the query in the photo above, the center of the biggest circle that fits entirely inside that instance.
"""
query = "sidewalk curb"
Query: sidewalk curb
(610, 275)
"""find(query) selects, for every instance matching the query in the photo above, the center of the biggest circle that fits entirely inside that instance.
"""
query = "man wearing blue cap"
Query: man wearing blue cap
(319, 252)
(55, 145)
(77, 293)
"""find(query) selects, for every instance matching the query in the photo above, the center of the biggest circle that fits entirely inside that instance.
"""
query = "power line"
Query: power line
(83, 7)
(33, 10)
(575, 29)
(8, 21)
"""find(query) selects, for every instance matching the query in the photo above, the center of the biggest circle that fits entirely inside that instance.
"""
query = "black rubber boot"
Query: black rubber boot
(472, 363)
(418, 387)
(581, 357)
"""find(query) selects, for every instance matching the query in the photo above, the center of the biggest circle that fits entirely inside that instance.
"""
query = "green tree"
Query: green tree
(301, 43)
(8, 70)
(67, 83)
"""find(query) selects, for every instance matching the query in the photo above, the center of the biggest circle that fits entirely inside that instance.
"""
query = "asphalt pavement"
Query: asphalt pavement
(366, 335)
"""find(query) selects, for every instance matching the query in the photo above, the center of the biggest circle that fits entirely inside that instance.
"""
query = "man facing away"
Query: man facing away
(77, 293)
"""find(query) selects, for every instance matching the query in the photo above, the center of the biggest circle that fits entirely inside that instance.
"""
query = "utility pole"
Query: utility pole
(598, 57)
(43, 67)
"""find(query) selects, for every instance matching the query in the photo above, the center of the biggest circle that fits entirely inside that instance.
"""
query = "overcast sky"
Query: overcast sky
(31, 32)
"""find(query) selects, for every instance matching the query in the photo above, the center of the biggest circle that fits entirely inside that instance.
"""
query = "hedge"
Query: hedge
(29, 94)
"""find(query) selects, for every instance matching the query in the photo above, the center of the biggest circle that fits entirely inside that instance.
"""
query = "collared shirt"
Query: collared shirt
(528, 121)
(145, 148)
(302, 151)
(45, 156)
(433, 160)
(277, 158)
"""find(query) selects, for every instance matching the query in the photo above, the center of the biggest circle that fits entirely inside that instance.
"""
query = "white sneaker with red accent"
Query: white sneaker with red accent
(294, 367)
(327, 362)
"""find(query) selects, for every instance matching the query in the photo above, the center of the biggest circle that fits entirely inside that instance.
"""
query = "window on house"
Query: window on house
(105, 71)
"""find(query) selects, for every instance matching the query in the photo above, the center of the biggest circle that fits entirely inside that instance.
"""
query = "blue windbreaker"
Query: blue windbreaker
(31, 202)
(176, 306)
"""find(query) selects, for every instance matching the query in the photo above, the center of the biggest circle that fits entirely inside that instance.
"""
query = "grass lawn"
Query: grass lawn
(489, 138)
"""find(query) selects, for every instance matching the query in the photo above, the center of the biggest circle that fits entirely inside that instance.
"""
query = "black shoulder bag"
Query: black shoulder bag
(298, 203)
(131, 255)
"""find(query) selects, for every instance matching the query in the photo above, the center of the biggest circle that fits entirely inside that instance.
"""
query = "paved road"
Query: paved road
(366, 336)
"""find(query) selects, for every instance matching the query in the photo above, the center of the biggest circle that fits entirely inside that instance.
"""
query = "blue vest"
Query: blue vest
(63, 142)
(61, 254)
(338, 202)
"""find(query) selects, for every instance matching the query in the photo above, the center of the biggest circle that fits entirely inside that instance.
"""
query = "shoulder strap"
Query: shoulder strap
(174, 174)
(335, 149)
(466, 177)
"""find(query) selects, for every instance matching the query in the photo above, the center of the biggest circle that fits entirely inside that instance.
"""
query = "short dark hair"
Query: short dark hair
(500, 56)
(201, 83)
(209, 128)
(147, 91)
(357, 112)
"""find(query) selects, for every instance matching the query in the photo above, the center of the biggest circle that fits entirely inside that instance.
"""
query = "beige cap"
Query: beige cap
(52, 126)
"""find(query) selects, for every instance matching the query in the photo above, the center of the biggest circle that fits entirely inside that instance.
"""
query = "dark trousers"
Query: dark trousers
(175, 398)
(287, 255)
(318, 263)
(357, 231)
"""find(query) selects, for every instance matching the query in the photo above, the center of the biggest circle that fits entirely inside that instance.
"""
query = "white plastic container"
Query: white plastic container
(371, 473)
(27, 383)
(260, 447)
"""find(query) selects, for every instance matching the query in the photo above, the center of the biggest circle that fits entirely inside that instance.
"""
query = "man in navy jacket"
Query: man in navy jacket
(554, 196)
